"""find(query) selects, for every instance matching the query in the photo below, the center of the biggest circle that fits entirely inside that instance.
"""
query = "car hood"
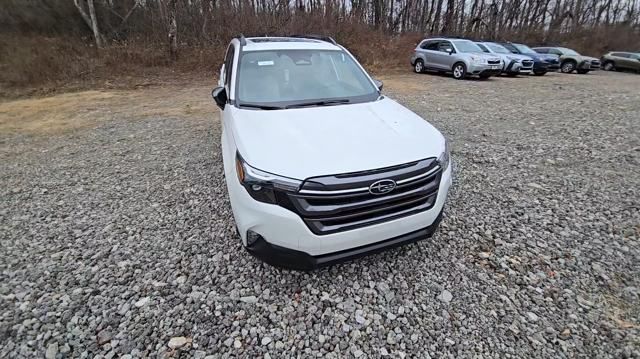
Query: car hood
(519, 56)
(485, 56)
(589, 58)
(306, 142)
(578, 58)
(507, 57)
(543, 57)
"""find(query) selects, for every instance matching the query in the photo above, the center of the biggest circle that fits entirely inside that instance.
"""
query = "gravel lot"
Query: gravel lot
(117, 238)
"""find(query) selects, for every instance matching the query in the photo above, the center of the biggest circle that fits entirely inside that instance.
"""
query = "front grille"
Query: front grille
(330, 204)
(527, 63)
(595, 63)
(494, 62)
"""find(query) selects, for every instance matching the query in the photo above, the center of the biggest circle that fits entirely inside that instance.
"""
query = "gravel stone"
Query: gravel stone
(177, 342)
(52, 351)
(142, 302)
(249, 299)
(132, 206)
(103, 337)
(445, 296)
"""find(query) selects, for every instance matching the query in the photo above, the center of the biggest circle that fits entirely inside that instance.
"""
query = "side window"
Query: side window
(429, 45)
(619, 54)
(555, 52)
(228, 65)
(445, 46)
(510, 48)
(484, 48)
(432, 45)
(542, 51)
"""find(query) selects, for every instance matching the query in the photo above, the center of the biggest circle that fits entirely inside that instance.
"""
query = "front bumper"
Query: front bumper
(294, 259)
(484, 69)
(546, 66)
(286, 238)
(589, 65)
(518, 68)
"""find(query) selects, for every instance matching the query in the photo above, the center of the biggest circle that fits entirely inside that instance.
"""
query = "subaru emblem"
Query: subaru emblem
(382, 186)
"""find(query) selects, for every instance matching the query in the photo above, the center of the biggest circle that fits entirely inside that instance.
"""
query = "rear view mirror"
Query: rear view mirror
(378, 84)
(219, 95)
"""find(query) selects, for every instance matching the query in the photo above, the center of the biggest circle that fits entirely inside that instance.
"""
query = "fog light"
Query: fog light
(252, 237)
(256, 187)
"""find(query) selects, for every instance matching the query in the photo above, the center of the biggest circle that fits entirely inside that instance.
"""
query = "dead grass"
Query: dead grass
(69, 111)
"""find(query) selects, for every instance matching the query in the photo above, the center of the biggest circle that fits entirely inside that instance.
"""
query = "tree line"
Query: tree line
(209, 21)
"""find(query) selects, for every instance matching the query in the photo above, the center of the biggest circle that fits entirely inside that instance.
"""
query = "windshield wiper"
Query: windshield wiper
(261, 107)
(320, 103)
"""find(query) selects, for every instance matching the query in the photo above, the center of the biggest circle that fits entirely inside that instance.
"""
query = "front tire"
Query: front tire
(568, 67)
(582, 72)
(539, 73)
(459, 70)
(608, 66)
(418, 67)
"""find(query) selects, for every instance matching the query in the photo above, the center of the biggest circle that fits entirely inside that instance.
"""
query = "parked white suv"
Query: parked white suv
(320, 166)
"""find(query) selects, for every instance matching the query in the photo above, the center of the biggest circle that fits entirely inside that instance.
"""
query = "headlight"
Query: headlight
(445, 156)
(478, 60)
(261, 185)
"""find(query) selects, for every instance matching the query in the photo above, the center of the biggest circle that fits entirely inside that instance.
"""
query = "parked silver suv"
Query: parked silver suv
(514, 64)
(459, 56)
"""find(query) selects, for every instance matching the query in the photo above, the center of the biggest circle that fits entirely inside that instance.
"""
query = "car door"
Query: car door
(634, 60)
(623, 60)
(619, 60)
(429, 50)
(445, 55)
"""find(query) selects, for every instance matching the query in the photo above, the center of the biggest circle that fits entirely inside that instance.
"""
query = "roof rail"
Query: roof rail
(242, 40)
(316, 37)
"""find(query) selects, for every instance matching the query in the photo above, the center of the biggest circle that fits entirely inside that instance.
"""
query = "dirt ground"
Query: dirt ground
(189, 98)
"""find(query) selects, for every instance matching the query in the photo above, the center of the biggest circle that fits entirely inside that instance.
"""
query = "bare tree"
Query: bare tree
(91, 20)
(173, 29)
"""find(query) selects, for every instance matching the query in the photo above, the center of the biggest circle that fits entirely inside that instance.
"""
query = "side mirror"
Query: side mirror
(450, 51)
(219, 95)
(378, 84)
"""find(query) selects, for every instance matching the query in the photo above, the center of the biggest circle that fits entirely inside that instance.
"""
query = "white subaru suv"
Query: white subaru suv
(320, 166)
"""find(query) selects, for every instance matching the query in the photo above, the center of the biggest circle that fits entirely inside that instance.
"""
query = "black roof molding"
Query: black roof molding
(242, 39)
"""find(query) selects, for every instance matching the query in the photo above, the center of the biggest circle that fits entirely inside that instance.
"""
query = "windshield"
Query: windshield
(524, 49)
(466, 46)
(566, 51)
(499, 49)
(288, 77)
